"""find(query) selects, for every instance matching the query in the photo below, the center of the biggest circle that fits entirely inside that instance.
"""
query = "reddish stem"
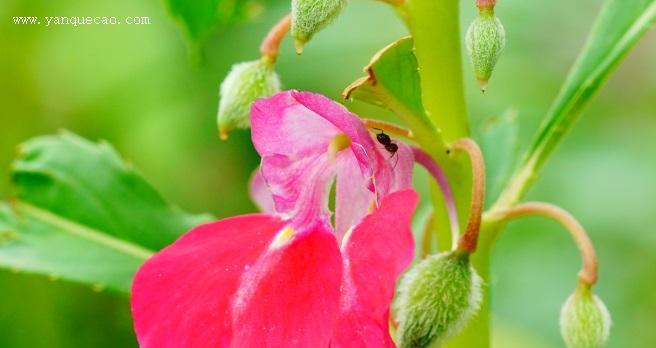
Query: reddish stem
(443, 182)
(271, 44)
(589, 272)
(485, 4)
(469, 240)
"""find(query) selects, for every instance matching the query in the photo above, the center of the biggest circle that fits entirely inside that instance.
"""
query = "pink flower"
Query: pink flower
(286, 278)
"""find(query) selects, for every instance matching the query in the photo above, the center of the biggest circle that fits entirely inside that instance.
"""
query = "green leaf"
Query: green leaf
(81, 213)
(201, 17)
(617, 29)
(499, 141)
(393, 82)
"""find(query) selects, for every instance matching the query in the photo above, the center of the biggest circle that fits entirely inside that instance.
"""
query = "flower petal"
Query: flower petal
(292, 132)
(375, 254)
(291, 296)
(180, 296)
(357, 329)
(352, 198)
(402, 168)
(260, 193)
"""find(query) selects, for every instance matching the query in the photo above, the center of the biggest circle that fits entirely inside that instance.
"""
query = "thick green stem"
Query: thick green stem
(435, 28)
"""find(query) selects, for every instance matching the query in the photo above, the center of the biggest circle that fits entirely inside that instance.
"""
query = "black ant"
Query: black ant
(386, 141)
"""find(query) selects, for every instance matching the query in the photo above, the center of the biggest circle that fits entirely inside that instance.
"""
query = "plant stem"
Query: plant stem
(270, 46)
(485, 4)
(445, 188)
(469, 240)
(435, 28)
(426, 240)
(588, 274)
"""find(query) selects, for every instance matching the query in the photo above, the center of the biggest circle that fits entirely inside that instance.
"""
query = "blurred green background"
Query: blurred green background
(152, 92)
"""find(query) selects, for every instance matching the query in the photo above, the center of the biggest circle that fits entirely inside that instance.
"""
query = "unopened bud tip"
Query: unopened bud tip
(298, 45)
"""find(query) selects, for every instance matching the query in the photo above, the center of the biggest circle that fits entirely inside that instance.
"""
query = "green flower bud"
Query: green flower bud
(245, 83)
(436, 298)
(485, 41)
(584, 320)
(310, 16)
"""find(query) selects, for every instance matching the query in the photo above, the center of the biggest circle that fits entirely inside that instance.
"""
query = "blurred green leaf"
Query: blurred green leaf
(498, 138)
(81, 213)
(617, 29)
(201, 17)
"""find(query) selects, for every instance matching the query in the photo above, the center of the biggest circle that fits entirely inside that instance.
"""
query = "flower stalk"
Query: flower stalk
(469, 240)
(443, 182)
(270, 47)
(486, 4)
(589, 272)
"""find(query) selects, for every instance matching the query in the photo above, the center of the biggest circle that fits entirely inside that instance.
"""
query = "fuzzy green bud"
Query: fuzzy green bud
(245, 83)
(485, 41)
(436, 298)
(584, 320)
(310, 16)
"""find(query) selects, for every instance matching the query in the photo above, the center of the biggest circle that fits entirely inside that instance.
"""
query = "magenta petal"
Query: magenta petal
(290, 298)
(180, 296)
(352, 197)
(260, 193)
(375, 254)
(357, 329)
(292, 131)
(402, 167)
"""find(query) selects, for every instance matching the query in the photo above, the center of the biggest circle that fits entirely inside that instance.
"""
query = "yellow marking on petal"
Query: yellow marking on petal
(282, 237)
(372, 207)
(338, 143)
(346, 237)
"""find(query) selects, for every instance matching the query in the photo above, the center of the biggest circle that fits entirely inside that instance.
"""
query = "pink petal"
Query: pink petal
(402, 166)
(352, 198)
(292, 131)
(180, 296)
(260, 192)
(357, 329)
(291, 297)
(292, 122)
(375, 254)
(300, 187)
